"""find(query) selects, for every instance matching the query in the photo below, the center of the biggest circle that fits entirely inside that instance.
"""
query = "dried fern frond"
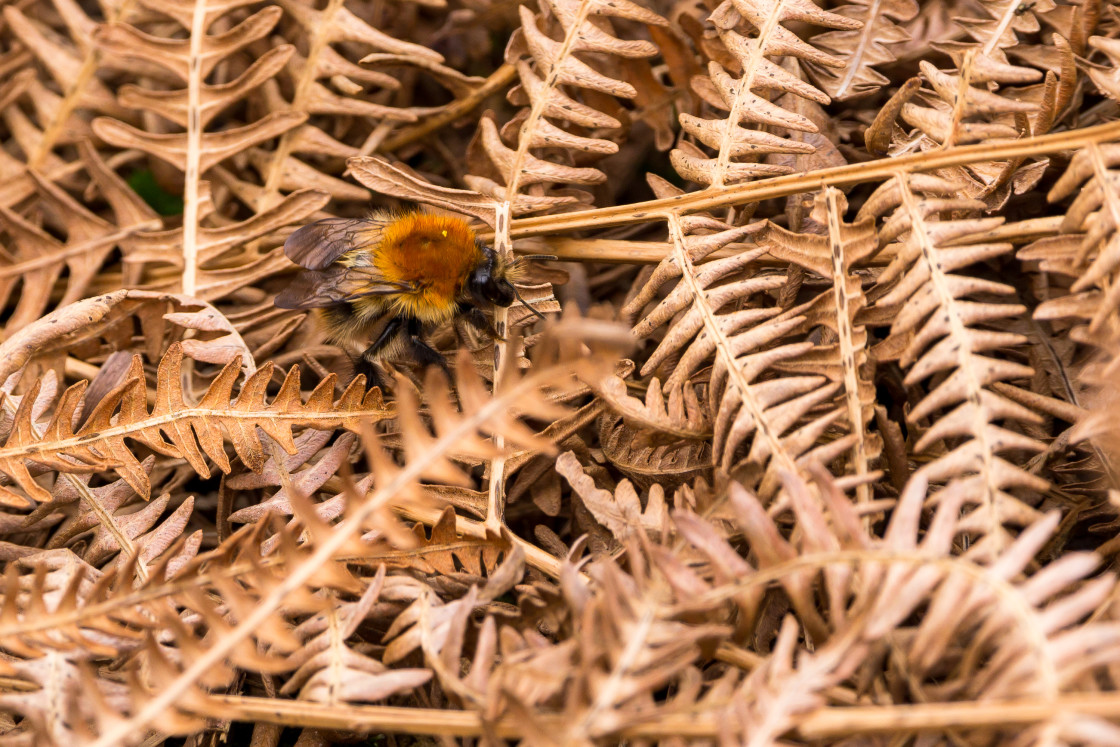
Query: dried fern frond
(651, 459)
(35, 259)
(1088, 250)
(940, 324)
(861, 49)
(62, 90)
(678, 416)
(195, 150)
(1004, 20)
(989, 611)
(39, 259)
(282, 473)
(1086, 256)
(330, 34)
(173, 428)
(448, 555)
(625, 638)
(102, 327)
(427, 625)
(331, 671)
(551, 72)
(968, 105)
(658, 440)
(175, 688)
(190, 62)
(104, 614)
(956, 99)
(56, 602)
(872, 585)
(836, 256)
(746, 342)
(700, 238)
(45, 683)
(224, 244)
(752, 32)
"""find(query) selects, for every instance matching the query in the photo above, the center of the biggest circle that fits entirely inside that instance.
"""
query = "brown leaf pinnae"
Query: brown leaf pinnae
(770, 396)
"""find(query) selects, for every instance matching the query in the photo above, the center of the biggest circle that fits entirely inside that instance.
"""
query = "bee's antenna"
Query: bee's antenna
(539, 257)
(526, 304)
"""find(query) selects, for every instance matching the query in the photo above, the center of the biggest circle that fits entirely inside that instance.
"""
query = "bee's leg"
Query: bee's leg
(394, 327)
(478, 319)
(365, 367)
(422, 352)
(364, 363)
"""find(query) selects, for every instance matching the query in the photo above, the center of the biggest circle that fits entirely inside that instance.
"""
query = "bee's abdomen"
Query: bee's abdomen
(352, 322)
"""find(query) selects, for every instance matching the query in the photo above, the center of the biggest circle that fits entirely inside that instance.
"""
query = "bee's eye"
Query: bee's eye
(483, 286)
(486, 286)
(500, 292)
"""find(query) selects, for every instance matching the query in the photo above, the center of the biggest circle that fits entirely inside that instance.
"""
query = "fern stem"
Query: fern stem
(191, 174)
(783, 186)
(825, 722)
(496, 477)
(497, 81)
(849, 353)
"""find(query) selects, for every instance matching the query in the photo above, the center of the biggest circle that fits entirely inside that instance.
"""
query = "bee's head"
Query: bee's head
(490, 280)
(493, 280)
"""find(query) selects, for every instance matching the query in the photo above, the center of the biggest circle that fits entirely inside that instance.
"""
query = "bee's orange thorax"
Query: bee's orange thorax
(436, 252)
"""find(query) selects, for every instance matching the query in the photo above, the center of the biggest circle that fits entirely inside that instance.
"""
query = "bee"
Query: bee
(391, 279)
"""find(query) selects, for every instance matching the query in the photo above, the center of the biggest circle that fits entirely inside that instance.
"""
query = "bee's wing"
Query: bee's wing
(335, 285)
(318, 244)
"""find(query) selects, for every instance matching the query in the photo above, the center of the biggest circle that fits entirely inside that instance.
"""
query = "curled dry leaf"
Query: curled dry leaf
(225, 526)
(111, 317)
(622, 513)
(385, 178)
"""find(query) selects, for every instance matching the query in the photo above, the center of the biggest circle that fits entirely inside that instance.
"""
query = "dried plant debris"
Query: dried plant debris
(797, 424)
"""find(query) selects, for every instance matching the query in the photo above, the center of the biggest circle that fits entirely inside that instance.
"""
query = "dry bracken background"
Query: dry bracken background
(819, 443)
